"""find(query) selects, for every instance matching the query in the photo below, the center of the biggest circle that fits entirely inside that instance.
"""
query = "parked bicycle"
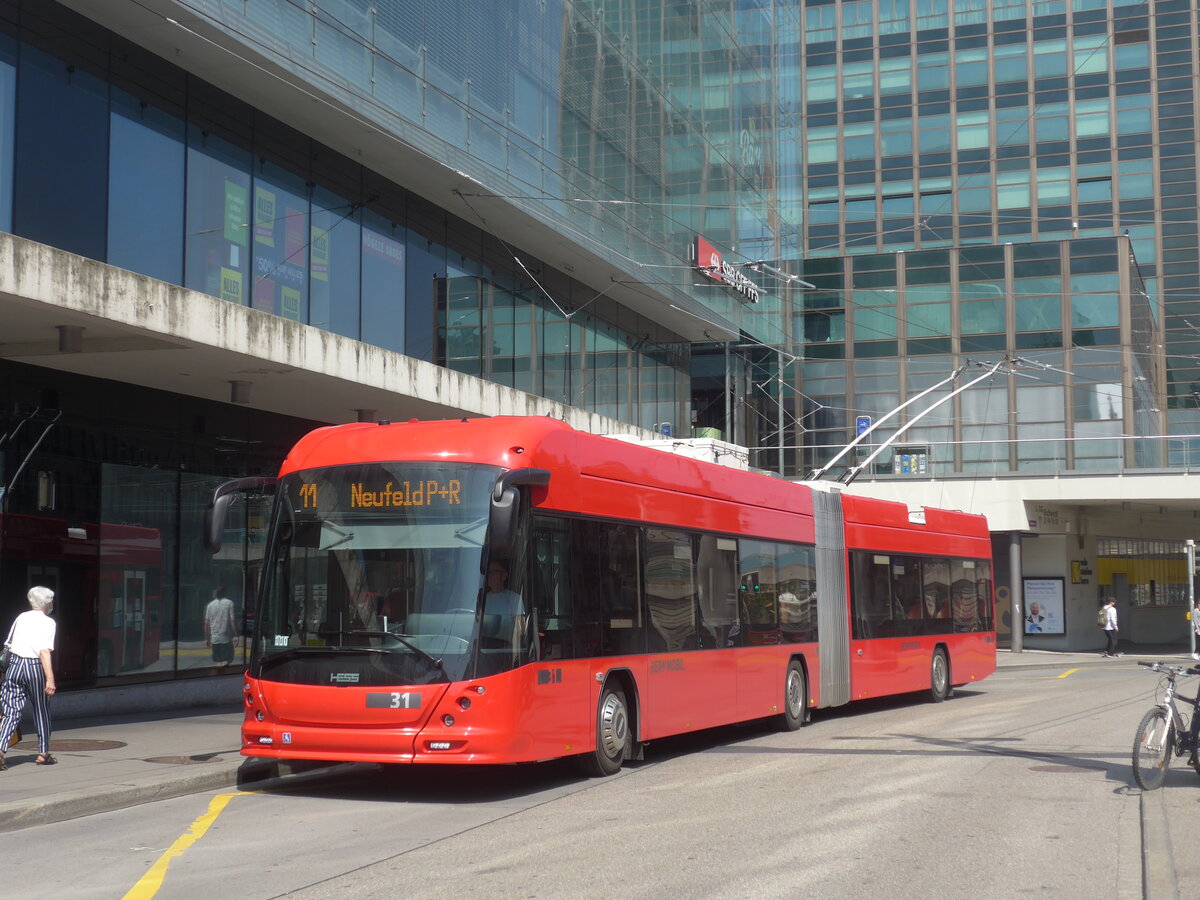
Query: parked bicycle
(1165, 731)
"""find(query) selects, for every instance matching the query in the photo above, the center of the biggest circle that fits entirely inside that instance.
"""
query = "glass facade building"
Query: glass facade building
(1001, 176)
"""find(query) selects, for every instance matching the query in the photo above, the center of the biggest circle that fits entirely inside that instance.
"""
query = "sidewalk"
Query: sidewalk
(107, 764)
(1026, 659)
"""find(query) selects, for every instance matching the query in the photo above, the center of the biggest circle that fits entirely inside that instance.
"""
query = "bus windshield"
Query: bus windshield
(373, 574)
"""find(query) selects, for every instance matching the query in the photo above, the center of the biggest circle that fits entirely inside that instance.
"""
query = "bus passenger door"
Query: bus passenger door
(134, 602)
(561, 708)
(687, 686)
(760, 671)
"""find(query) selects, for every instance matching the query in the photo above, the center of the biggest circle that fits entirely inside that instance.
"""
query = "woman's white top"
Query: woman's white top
(32, 633)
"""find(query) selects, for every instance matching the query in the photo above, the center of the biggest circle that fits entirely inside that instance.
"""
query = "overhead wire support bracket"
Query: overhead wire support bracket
(759, 265)
(853, 472)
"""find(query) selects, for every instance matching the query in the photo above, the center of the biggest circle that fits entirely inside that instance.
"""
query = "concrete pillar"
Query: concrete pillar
(1018, 600)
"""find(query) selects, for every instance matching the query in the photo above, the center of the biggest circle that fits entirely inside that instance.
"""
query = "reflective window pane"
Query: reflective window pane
(145, 190)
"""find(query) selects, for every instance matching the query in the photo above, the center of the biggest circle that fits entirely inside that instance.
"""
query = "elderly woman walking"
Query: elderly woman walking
(29, 673)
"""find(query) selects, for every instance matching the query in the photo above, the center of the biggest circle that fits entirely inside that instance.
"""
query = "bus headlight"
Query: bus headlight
(448, 720)
(464, 703)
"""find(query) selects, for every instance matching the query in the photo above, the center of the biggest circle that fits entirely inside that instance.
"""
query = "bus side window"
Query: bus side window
(587, 612)
(964, 603)
(871, 595)
(670, 591)
(936, 585)
(908, 609)
(548, 588)
(758, 575)
(619, 589)
(717, 591)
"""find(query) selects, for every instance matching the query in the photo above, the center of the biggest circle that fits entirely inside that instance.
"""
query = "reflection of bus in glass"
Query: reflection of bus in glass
(646, 594)
(106, 578)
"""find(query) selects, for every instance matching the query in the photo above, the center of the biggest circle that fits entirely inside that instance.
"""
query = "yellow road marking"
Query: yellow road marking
(149, 883)
(1068, 672)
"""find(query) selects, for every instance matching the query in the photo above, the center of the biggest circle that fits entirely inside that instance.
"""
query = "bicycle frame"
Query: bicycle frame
(1173, 713)
(1164, 732)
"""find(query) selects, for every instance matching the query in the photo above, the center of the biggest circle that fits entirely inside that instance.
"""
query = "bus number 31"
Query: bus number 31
(393, 700)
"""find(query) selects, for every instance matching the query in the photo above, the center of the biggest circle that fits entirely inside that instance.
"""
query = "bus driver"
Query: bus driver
(500, 600)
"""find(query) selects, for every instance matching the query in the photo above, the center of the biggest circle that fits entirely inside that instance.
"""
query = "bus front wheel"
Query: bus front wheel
(939, 676)
(795, 697)
(612, 735)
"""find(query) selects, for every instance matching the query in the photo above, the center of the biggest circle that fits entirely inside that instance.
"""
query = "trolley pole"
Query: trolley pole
(1191, 564)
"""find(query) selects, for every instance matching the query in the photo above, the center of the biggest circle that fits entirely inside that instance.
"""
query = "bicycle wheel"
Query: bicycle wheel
(1153, 747)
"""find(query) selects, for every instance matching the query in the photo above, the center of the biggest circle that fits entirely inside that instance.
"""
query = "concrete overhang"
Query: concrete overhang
(146, 332)
(264, 72)
(1154, 504)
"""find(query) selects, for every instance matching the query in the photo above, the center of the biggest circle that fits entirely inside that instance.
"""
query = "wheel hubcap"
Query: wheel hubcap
(614, 726)
(795, 693)
(939, 674)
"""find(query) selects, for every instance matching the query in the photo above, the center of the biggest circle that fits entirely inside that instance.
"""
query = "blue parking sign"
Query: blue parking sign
(864, 422)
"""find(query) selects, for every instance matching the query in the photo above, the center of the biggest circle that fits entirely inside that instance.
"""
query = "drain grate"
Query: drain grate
(71, 746)
(184, 760)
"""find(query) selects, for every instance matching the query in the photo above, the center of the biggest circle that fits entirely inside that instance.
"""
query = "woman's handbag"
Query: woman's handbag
(4, 654)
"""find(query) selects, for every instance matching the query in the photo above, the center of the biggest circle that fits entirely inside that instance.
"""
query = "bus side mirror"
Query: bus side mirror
(222, 499)
(506, 503)
(502, 519)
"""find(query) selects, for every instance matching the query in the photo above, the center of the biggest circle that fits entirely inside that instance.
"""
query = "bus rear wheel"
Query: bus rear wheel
(795, 697)
(612, 735)
(939, 676)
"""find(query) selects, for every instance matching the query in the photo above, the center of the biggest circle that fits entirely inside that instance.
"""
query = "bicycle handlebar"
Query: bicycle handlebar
(1173, 670)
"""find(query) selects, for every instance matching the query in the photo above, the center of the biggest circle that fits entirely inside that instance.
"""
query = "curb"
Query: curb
(92, 800)
(1097, 662)
(1158, 862)
(249, 775)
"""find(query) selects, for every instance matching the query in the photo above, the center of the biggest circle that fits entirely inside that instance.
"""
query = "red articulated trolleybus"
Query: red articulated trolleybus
(507, 590)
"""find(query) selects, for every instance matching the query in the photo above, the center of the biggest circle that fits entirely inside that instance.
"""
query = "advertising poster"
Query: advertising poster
(231, 285)
(1043, 605)
(264, 216)
(235, 212)
(320, 254)
(290, 304)
(264, 295)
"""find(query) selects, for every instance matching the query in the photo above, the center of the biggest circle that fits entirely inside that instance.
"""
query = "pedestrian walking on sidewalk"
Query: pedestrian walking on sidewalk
(1196, 628)
(30, 673)
(1110, 627)
(220, 631)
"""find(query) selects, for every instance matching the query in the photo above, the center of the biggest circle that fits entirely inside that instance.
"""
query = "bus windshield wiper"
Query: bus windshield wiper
(460, 534)
(330, 648)
(345, 535)
(432, 660)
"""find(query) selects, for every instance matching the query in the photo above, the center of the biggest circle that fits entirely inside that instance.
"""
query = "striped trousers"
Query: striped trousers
(24, 676)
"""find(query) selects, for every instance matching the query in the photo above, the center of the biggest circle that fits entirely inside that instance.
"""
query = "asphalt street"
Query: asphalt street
(109, 766)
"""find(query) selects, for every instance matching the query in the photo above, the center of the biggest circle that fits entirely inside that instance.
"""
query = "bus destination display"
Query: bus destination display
(388, 495)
